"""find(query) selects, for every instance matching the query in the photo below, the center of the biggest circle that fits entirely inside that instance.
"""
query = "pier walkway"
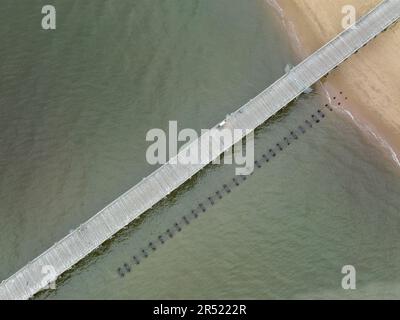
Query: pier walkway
(102, 226)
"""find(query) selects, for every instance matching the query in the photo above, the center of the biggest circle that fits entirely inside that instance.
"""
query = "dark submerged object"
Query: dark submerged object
(136, 260)
(177, 227)
(186, 220)
(127, 267)
(120, 272)
(202, 207)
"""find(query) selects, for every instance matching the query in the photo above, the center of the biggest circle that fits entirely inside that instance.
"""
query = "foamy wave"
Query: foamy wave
(276, 6)
(366, 128)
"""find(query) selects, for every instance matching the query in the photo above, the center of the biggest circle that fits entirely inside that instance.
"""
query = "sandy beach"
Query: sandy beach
(369, 79)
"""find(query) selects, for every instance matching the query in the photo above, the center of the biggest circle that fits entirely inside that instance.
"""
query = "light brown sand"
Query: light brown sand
(370, 79)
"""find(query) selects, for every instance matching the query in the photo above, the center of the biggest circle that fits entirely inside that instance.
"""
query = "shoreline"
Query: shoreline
(300, 18)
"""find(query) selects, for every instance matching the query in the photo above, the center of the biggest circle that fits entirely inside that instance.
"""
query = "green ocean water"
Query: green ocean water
(76, 104)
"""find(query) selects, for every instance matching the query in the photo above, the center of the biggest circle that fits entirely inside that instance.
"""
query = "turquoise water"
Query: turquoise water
(76, 104)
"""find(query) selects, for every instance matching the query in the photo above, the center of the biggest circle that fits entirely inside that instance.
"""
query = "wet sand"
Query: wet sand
(369, 79)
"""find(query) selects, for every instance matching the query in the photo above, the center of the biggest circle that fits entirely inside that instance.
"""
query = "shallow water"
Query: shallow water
(76, 104)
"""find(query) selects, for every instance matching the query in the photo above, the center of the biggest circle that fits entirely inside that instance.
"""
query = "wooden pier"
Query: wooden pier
(102, 226)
